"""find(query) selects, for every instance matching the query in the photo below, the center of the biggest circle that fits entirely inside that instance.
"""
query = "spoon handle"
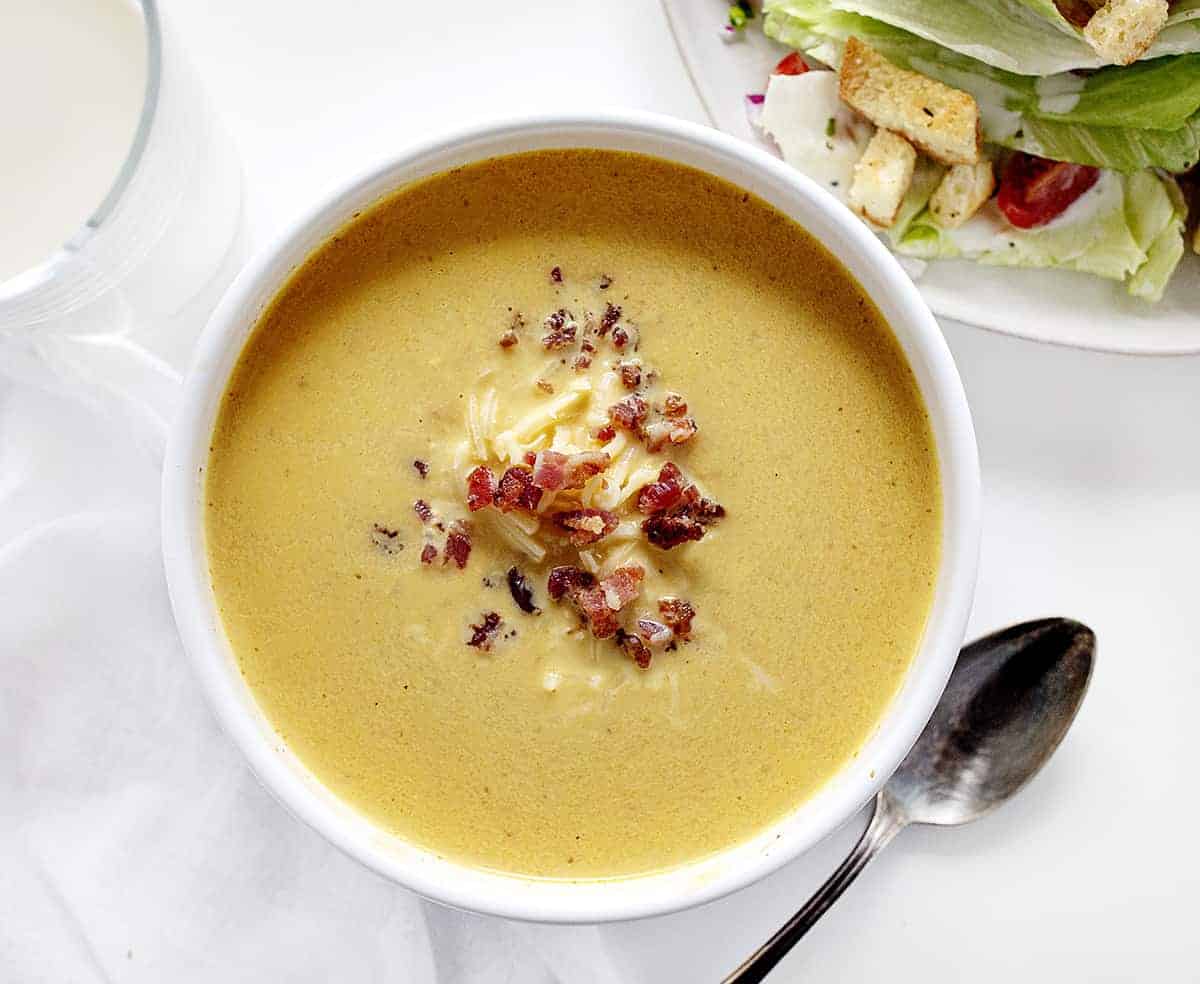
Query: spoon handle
(886, 823)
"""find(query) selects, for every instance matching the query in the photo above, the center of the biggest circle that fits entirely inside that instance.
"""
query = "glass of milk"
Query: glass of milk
(120, 200)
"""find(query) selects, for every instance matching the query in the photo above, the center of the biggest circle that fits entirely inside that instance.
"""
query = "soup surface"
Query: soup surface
(428, 342)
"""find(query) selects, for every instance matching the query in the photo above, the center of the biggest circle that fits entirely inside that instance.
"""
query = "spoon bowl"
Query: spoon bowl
(1010, 700)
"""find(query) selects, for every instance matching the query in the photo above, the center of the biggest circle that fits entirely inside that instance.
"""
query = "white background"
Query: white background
(1091, 472)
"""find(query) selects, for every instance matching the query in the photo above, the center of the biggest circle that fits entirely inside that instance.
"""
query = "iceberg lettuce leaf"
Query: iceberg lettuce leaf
(1126, 228)
(1119, 148)
(1127, 119)
(1002, 33)
(1026, 37)
(1158, 226)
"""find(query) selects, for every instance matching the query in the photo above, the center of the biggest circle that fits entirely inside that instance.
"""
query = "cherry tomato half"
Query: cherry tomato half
(1034, 190)
(791, 64)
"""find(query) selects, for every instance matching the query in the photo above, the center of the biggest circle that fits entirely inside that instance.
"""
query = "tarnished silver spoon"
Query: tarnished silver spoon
(1011, 698)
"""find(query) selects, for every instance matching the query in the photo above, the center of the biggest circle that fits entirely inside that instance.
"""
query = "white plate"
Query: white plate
(1054, 306)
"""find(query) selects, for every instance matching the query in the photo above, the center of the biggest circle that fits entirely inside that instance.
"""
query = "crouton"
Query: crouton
(941, 121)
(963, 190)
(881, 177)
(1122, 30)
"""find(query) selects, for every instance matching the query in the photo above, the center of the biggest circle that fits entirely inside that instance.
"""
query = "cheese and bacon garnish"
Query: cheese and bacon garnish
(579, 482)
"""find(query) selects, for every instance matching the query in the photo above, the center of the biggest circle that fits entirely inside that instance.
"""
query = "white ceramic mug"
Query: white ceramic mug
(561, 900)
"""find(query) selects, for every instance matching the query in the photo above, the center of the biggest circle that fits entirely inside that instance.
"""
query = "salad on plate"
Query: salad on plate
(1031, 133)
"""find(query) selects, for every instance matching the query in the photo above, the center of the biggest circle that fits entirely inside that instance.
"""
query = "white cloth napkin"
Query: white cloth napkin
(135, 845)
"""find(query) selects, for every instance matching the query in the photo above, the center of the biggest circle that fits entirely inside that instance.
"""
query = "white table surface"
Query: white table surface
(1091, 469)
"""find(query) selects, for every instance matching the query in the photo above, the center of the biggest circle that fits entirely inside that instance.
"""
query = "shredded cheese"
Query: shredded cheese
(513, 535)
(474, 428)
(541, 419)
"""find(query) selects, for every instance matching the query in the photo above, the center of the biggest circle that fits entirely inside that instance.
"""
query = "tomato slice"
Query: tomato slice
(1078, 12)
(791, 64)
(1034, 190)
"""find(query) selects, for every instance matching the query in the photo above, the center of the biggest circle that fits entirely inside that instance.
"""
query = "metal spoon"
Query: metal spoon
(1011, 698)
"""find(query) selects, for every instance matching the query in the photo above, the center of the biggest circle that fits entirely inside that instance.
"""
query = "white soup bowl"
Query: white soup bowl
(562, 900)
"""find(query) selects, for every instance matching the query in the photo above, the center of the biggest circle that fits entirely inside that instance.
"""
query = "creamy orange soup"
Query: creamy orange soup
(422, 345)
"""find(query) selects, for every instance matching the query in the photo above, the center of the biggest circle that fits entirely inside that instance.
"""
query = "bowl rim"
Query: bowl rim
(559, 900)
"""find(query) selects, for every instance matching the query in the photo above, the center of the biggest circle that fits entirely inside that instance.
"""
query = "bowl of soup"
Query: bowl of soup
(574, 518)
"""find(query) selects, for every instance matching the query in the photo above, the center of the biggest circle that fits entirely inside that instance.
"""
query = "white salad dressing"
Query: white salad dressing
(999, 122)
(73, 78)
(1106, 195)
(1059, 94)
(989, 232)
(815, 131)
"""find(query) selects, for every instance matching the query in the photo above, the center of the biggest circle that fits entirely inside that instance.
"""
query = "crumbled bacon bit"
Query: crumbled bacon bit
(553, 470)
(565, 581)
(705, 510)
(678, 615)
(608, 320)
(545, 385)
(683, 430)
(686, 520)
(424, 513)
(674, 405)
(631, 375)
(458, 544)
(664, 493)
(593, 607)
(583, 466)
(485, 632)
(556, 275)
(622, 586)
(517, 491)
(422, 467)
(673, 528)
(508, 339)
(654, 633)
(628, 413)
(560, 330)
(634, 648)
(656, 433)
(428, 553)
(605, 281)
(598, 604)
(583, 360)
(529, 457)
(481, 488)
(666, 430)
(521, 592)
(620, 337)
(549, 470)
(606, 433)
(586, 526)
